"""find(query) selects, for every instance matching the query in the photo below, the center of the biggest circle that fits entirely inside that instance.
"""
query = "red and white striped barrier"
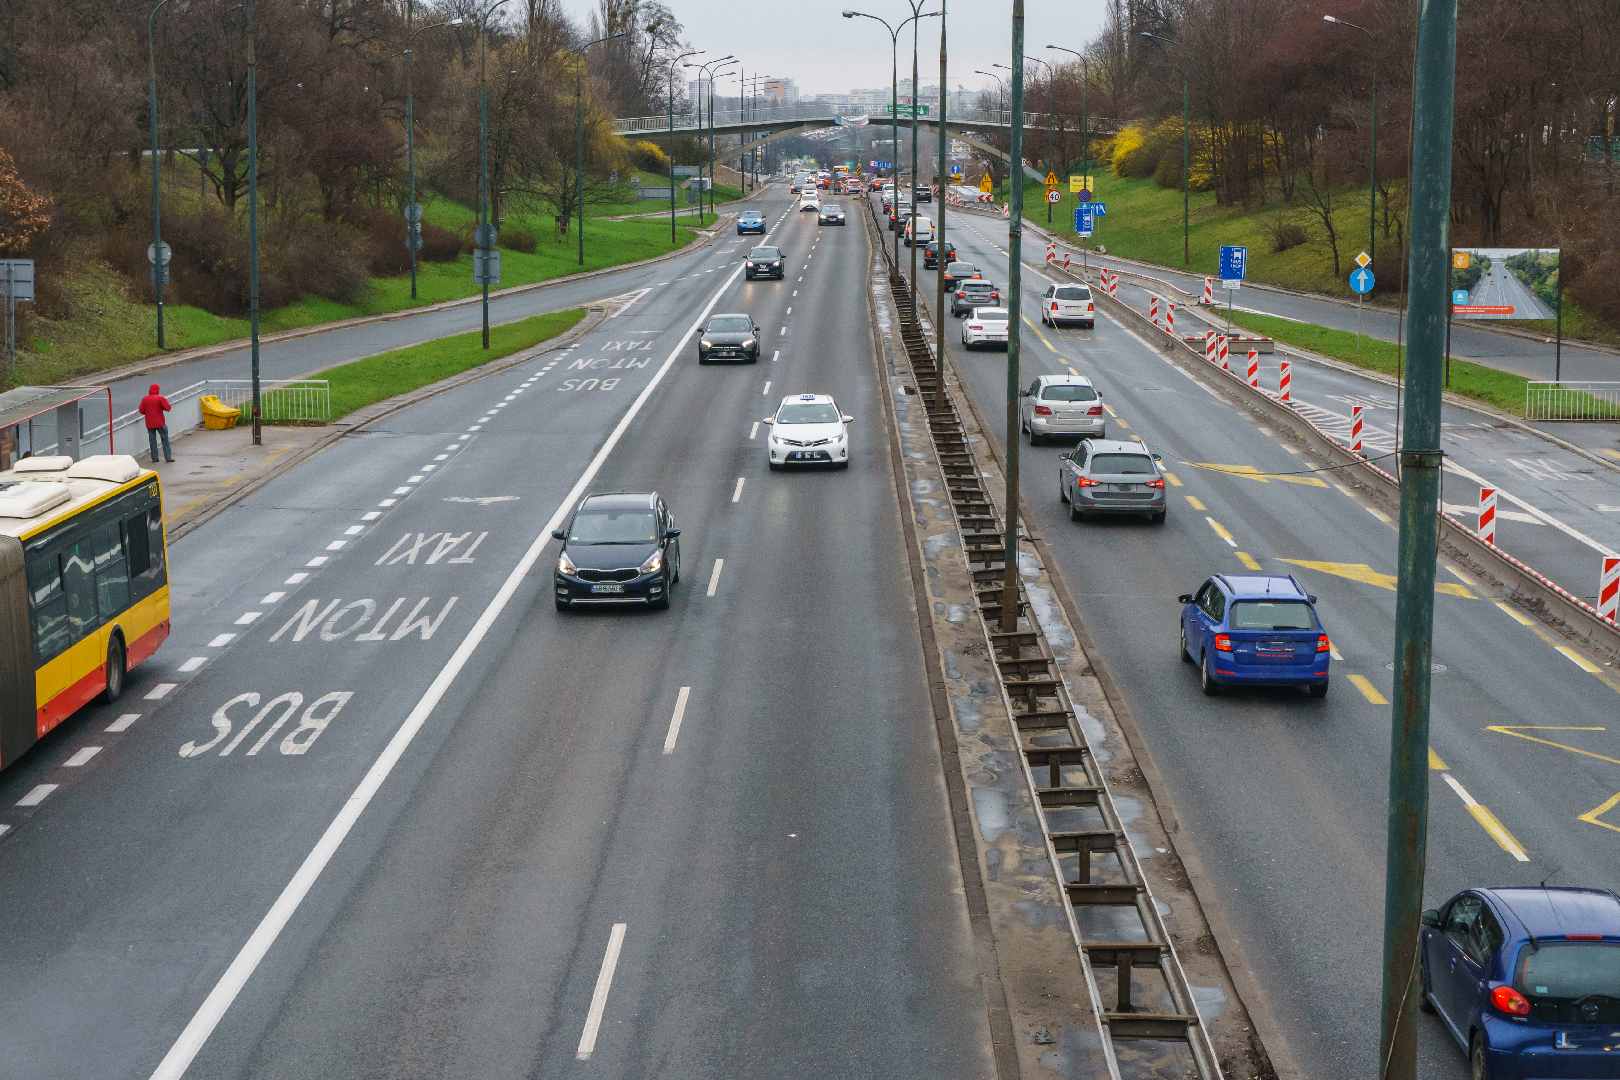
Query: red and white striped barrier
(1170, 319)
(1051, 252)
(985, 196)
(1355, 428)
(1153, 310)
(1209, 345)
(1285, 382)
(1113, 284)
(1609, 590)
(1224, 365)
(1209, 291)
(1254, 368)
(1487, 515)
(1006, 211)
(1065, 260)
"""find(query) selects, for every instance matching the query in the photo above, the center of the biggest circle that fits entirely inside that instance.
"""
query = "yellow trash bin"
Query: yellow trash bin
(217, 417)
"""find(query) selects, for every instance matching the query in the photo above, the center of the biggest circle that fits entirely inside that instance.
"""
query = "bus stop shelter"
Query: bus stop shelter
(51, 420)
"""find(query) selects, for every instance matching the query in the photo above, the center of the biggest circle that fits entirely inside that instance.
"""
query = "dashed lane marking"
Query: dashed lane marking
(753, 430)
(676, 718)
(1368, 690)
(1195, 502)
(221, 640)
(604, 982)
(123, 722)
(160, 691)
(1248, 560)
(82, 757)
(714, 578)
(736, 496)
(37, 795)
(1220, 531)
(1175, 481)
(1488, 820)
(1516, 615)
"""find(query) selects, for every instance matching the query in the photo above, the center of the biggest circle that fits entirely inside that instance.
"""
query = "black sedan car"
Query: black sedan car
(729, 337)
(959, 271)
(622, 548)
(831, 214)
(750, 221)
(765, 262)
(931, 254)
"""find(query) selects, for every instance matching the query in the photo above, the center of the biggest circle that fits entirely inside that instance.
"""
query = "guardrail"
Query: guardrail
(1572, 401)
(279, 400)
(832, 113)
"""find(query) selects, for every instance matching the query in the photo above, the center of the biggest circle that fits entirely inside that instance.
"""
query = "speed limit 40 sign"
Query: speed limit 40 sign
(1054, 196)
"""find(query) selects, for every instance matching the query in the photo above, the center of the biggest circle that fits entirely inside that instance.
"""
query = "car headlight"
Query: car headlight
(565, 565)
(706, 343)
(750, 264)
(654, 563)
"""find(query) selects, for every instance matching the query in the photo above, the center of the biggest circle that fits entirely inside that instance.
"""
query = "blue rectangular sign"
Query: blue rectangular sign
(1234, 262)
(1084, 221)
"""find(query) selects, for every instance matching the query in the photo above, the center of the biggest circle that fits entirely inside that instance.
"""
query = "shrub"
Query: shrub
(517, 238)
(1596, 290)
(439, 244)
(648, 157)
(1134, 158)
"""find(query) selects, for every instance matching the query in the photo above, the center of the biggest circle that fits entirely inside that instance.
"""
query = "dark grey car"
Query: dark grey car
(729, 337)
(621, 548)
(1107, 477)
(764, 262)
(972, 293)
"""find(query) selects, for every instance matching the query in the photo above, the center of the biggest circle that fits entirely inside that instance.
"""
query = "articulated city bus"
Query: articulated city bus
(84, 587)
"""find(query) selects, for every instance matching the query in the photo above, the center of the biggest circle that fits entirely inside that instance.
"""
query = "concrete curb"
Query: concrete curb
(377, 411)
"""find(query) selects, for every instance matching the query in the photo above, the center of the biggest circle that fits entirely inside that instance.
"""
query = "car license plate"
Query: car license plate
(1122, 487)
(610, 587)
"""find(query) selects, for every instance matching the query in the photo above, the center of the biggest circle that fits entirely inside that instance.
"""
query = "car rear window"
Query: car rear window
(1071, 292)
(1068, 393)
(1128, 464)
(1572, 970)
(990, 314)
(977, 286)
(751, 215)
(1271, 615)
(764, 253)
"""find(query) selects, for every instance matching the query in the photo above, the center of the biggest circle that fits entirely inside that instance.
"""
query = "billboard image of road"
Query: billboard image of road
(1504, 283)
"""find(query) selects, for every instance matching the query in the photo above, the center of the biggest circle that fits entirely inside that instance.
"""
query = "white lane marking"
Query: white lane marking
(714, 578)
(319, 560)
(221, 640)
(402, 491)
(1578, 660)
(429, 467)
(795, 292)
(1535, 512)
(273, 598)
(1496, 834)
(82, 757)
(767, 389)
(194, 663)
(1334, 651)
(230, 984)
(354, 530)
(36, 796)
(123, 722)
(388, 502)
(4, 829)
(777, 356)
(441, 457)
(782, 332)
(476, 427)
(247, 617)
(675, 720)
(370, 515)
(160, 691)
(417, 479)
(736, 496)
(336, 545)
(753, 430)
(604, 982)
(789, 311)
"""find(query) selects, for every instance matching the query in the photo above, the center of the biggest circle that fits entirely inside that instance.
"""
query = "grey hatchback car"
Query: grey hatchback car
(1107, 477)
(1062, 406)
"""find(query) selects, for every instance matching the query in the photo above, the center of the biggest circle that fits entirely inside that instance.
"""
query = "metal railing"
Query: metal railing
(832, 113)
(1572, 401)
(279, 400)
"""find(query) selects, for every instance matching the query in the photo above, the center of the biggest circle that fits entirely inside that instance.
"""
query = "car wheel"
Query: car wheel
(1318, 690)
(116, 669)
(1158, 518)
(1476, 1060)
(662, 603)
(1206, 679)
(1186, 657)
(1075, 513)
(1034, 439)
(1063, 493)
(562, 605)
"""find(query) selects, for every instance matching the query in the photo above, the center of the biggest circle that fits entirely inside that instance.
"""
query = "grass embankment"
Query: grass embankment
(1500, 389)
(376, 378)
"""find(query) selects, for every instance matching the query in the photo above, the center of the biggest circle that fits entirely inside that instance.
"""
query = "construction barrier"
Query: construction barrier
(1355, 428)
(1209, 345)
(1254, 369)
(1285, 382)
(1209, 291)
(1170, 319)
(1153, 310)
(1609, 590)
(1051, 252)
(1224, 365)
(1487, 515)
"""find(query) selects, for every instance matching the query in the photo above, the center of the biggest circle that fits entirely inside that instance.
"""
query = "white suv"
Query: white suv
(1068, 303)
(810, 199)
(808, 429)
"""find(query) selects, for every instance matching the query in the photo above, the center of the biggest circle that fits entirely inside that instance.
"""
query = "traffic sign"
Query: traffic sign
(1081, 186)
(485, 236)
(1363, 259)
(487, 267)
(1051, 179)
(413, 237)
(1097, 209)
(1234, 262)
(1084, 221)
(985, 184)
(413, 212)
(1362, 280)
(159, 250)
(1054, 196)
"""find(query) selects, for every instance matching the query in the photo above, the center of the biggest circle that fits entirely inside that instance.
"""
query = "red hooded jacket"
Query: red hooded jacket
(153, 406)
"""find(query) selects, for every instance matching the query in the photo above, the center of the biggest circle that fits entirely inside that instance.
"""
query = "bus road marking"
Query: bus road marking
(604, 982)
(36, 796)
(675, 720)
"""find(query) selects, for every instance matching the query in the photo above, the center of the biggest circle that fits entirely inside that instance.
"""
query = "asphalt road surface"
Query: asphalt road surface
(376, 809)
(1283, 797)
(1502, 288)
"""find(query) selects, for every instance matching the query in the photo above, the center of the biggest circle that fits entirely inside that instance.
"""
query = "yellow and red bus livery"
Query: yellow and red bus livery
(84, 587)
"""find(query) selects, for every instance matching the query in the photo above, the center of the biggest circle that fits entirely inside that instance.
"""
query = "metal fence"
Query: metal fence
(279, 400)
(831, 114)
(1572, 401)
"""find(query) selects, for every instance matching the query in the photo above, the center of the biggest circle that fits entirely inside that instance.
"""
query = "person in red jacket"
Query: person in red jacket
(153, 406)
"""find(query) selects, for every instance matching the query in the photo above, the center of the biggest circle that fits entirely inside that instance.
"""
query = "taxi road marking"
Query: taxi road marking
(1488, 820)
(1368, 690)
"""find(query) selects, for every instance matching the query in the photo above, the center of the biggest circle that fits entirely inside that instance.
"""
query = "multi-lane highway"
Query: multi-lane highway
(1281, 797)
(377, 809)
(1501, 287)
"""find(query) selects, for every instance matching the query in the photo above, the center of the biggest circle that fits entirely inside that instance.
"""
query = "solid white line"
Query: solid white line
(82, 757)
(714, 578)
(36, 796)
(604, 982)
(213, 1008)
(675, 721)
(123, 722)
(736, 496)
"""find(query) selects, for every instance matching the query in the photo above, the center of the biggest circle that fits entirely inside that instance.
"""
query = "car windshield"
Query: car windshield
(614, 527)
(990, 314)
(1069, 292)
(817, 412)
(763, 253)
(1573, 970)
(1128, 464)
(729, 324)
(833, 208)
(1068, 393)
(1271, 615)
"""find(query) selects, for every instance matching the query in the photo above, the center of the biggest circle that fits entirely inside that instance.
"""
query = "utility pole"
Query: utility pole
(939, 236)
(579, 141)
(159, 266)
(253, 217)
(1420, 459)
(1015, 263)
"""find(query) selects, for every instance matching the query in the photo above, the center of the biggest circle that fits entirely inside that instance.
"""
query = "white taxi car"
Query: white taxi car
(985, 326)
(808, 429)
(810, 199)
(1068, 303)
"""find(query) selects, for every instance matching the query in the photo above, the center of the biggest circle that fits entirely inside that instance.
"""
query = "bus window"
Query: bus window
(112, 578)
(50, 607)
(154, 530)
(78, 581)
(139, 547)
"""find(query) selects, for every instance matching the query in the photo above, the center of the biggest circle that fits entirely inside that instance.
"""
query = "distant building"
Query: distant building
(781, 91)
(878, 97)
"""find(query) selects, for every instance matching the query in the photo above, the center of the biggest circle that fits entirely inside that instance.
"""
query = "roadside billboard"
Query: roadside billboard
(1504, 283)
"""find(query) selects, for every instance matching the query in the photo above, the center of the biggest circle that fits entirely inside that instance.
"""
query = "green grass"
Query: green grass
(1501, 389)
(376, 378)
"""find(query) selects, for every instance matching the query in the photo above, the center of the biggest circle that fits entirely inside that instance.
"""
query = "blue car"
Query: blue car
(1527, 980)
(750, 221)
(1254, 630)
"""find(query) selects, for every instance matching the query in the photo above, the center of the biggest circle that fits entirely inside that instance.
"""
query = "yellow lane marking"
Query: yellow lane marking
(1110, 409)
(1121, 423)
(1514, 613)
(1368, 690)
(1170, 476)
(1435, 762)
(1578, 660)
(1381, 516)
(1070, 366)
(1248, 560)
(1368, 576)
(1462, 577)
(1220, 531)
(1611, 453)
(194, 502)
(1515, 732)
(232, 480)
(1488, 820)
(1593, 815)
(1249, 472)
(1194, 502)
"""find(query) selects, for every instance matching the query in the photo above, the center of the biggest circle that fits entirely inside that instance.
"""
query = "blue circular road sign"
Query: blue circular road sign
(1362, 280)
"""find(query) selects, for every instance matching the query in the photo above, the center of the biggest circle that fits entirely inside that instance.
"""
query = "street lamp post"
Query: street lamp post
(1001, 87)
(939, 212)
(410, 128)
(672, 63)
(484, 239)
(1185, 82)
(579, 141)
(253, 218)
(158, 267)
(706, 78)
(1085, 111)
(1015, 265)
(1051, 106)
(1372, 196)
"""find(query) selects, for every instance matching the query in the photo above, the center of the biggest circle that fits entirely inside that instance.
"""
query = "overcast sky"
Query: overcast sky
(809, 42)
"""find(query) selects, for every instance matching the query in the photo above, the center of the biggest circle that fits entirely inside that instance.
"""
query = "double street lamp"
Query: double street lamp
(579, 141)
(413, 240)
(1085, 108)
(485, 238)
(673, 66)
(1372, 195)
(1185, 82)
(706, 85)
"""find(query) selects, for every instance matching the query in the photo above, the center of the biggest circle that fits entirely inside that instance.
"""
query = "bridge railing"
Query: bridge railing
(831, 114)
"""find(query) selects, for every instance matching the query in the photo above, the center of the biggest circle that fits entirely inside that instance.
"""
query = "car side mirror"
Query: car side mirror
(1431, 917)
(847, 419)
(1311, 598)
(1067, 455)
(769, 420)
(1023, 393)
(559, 534)
(1158, 459)
(670, 534)
(1185, 598)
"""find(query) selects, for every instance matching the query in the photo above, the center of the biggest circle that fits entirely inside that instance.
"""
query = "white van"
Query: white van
(919, 230)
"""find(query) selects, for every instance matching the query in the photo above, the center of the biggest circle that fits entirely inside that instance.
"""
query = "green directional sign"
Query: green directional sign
(905, 110)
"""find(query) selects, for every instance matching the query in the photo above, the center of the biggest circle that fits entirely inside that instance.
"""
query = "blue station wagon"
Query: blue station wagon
(1254, 630)
(1527, 980)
